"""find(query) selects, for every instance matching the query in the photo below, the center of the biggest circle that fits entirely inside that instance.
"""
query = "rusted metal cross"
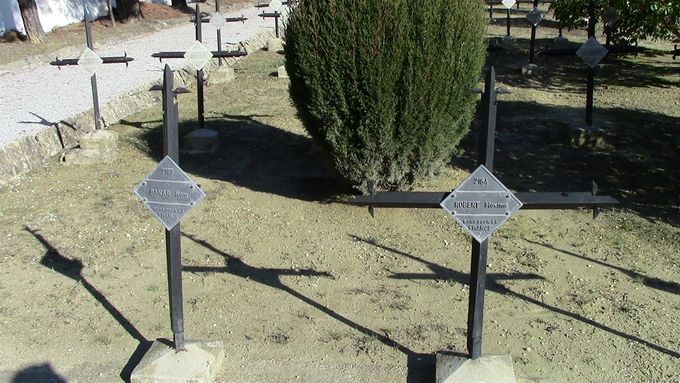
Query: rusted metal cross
(482, 211)
(91, 62)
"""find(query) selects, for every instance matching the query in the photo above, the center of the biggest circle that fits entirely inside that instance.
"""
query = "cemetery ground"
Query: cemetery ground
(301, 287)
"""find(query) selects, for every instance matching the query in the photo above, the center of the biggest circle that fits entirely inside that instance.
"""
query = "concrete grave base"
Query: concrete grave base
(99, 140)
(80, 156)
(162, 364)
(281, 72)
(201, 141)
(275, 45)
(530, 70)
(221, 75)
(455, 368)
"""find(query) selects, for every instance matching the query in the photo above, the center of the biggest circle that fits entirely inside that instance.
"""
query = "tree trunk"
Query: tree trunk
(32, 26)
(181, 5)
(113, 19)
(128, 9)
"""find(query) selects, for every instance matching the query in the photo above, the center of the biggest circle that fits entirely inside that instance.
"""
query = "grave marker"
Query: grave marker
(534, 17)
(168, 187)
(169, 193)
(90, 62)
(471, 203)
(218, 21)
(275, 5)
(508, 4)
(592, 52)
(198, 56)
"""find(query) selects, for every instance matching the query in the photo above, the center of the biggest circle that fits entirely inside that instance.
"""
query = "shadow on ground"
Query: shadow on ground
(637, 164)
(42, 373)
(568, 74)
(73, 269)
(259, 157)
(421, 367)
(493, 284)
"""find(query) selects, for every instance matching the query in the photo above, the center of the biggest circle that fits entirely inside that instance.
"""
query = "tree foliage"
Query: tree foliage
(633, 19)
(384, 85)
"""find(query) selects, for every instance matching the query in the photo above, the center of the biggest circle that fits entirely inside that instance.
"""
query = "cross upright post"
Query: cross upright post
(480, 249)
(590, 98)
(532, 46)
(173, 247)
(199, 73)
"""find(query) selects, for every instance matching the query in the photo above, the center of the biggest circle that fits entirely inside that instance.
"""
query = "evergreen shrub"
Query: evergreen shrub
(385, 85)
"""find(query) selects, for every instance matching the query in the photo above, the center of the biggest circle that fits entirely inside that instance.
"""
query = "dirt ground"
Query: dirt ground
(301, 287)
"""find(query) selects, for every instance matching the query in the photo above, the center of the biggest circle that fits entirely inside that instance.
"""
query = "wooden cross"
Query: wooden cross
(90, 61)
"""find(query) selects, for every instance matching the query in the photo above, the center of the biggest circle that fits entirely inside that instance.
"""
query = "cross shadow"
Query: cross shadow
(259, 157)
(420, 366)
(441, 272)
(444, 273)
(40, 373)
(41, 120)
(73, 269)
(655, 283)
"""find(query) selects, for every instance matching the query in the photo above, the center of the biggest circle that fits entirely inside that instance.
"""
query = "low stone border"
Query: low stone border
(31, 152)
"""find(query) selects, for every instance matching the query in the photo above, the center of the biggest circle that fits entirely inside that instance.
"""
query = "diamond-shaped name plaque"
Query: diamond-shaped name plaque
(169, 193)
(509, 3)
(217, 20)
(275, 5)
(592, 52)
(198, 55)
(481, 204)
(535, 16)
(90, 61)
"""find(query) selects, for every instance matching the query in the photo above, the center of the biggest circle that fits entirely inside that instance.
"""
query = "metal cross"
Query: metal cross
(173, 236)
(276, 14)
(532, 200)
(218, 21)
(199, 68)
(91, 62)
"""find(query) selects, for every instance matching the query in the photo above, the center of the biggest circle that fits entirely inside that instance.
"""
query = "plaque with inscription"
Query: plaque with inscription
(198, 55)
(535, 17)
(592, 52)
(509, 3)
(275, 5)
(169, 193)
(90, 61)
(481, 204)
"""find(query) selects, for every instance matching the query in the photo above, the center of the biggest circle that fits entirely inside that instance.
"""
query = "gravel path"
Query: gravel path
(32, 100)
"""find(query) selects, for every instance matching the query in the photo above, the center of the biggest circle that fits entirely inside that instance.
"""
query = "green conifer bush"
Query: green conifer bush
(385, 85)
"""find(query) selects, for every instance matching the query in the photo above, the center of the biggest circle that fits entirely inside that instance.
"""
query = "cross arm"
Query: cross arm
(180, 55)
(530, 200)
(269, 14)
(206, 19)
(265, 5)
(105, 60)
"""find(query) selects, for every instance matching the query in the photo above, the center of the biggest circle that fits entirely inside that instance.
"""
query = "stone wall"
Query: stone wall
(31, 152)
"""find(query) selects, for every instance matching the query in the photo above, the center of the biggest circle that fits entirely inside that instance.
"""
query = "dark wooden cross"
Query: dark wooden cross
(199, 72)
(534, 17)
(173, 248)
(276, 14)
(533, 200)
(90, 60)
